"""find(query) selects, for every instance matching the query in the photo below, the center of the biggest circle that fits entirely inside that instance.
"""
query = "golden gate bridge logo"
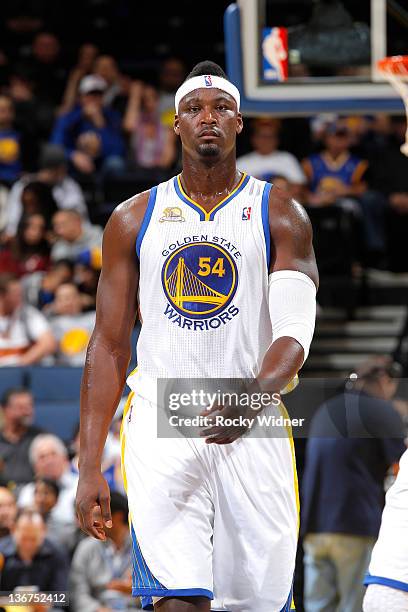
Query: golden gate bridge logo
(187, 292)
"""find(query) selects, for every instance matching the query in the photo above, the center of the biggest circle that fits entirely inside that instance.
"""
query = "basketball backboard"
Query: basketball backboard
(301, 57)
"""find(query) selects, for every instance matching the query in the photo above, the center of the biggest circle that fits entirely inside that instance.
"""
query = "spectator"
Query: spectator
(25, 335)
(16, 435)
(87, 55)
(86, 279)
(53, 172)
(53, 176)
(48, 71)
(29, 559)
(153, 145)
(172, 74)
(354, 439)
(336, 177)
(100, 577)
(117, 84)
(49, 459)
(74, 238)
(46, 495)
(390, 178)
(10, 143)
(90, 133)
(71, 327)
(37, 197)
(8, 511)
(266, 161)
(41, 288)
(335, 173)
(29, 251)
(34, 117)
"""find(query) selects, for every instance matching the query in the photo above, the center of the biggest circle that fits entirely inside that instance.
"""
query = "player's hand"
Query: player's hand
(227, 432)
(93, 504)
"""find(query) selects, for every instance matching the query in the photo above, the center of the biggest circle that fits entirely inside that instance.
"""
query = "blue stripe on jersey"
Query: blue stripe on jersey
(191, 203)
(265, 221)
(393, 584)
(142, 577)
(146, 219)
(147, 602)
(145, 585)
(229, 198)
(288, 605)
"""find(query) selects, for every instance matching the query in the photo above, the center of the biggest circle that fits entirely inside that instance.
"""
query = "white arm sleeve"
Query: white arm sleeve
(292, 307)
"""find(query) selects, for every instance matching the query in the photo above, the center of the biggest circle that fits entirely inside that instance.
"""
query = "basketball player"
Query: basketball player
(387, 577)
(222, 268)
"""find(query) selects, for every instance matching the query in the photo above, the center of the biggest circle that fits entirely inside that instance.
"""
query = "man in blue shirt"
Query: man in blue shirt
(91, 133)
(354, 439)
(10, 143)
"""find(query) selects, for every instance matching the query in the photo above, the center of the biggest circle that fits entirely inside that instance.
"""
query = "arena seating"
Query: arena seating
(56, 392)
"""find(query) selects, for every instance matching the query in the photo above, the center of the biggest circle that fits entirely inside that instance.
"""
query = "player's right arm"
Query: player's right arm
(107, 359)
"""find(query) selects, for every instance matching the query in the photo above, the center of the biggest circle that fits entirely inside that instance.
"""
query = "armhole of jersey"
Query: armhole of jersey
(265, 221)
(146, 219)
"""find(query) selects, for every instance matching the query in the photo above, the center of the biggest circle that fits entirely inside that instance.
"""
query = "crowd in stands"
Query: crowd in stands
(64, 131)
(40, 541)
(71, 136)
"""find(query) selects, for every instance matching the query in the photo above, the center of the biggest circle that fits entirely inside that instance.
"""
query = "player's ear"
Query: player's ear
(240, 123)
(176, 126)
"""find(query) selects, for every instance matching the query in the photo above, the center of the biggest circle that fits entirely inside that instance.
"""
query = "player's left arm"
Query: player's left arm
(293, 282)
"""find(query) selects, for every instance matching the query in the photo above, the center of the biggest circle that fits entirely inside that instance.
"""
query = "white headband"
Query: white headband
(207, 81)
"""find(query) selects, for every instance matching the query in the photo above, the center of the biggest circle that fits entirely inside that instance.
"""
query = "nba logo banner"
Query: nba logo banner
(207, 80)
(275, 54)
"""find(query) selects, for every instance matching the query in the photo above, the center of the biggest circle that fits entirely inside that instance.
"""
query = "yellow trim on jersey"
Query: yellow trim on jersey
(207, 214)
(288, 428)
(295, 476)
(122, 438)
(291, 385)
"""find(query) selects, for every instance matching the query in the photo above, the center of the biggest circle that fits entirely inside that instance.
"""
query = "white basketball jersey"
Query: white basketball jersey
(203, 289)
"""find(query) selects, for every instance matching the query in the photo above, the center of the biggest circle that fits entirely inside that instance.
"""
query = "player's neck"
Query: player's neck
(202, 180)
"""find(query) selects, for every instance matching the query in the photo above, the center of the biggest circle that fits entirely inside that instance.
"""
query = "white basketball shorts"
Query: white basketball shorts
(219, 521)
(380, 598)
(389, 559)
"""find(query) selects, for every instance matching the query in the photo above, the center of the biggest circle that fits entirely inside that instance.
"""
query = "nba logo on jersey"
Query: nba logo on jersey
(246, 213)
(207, 80)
